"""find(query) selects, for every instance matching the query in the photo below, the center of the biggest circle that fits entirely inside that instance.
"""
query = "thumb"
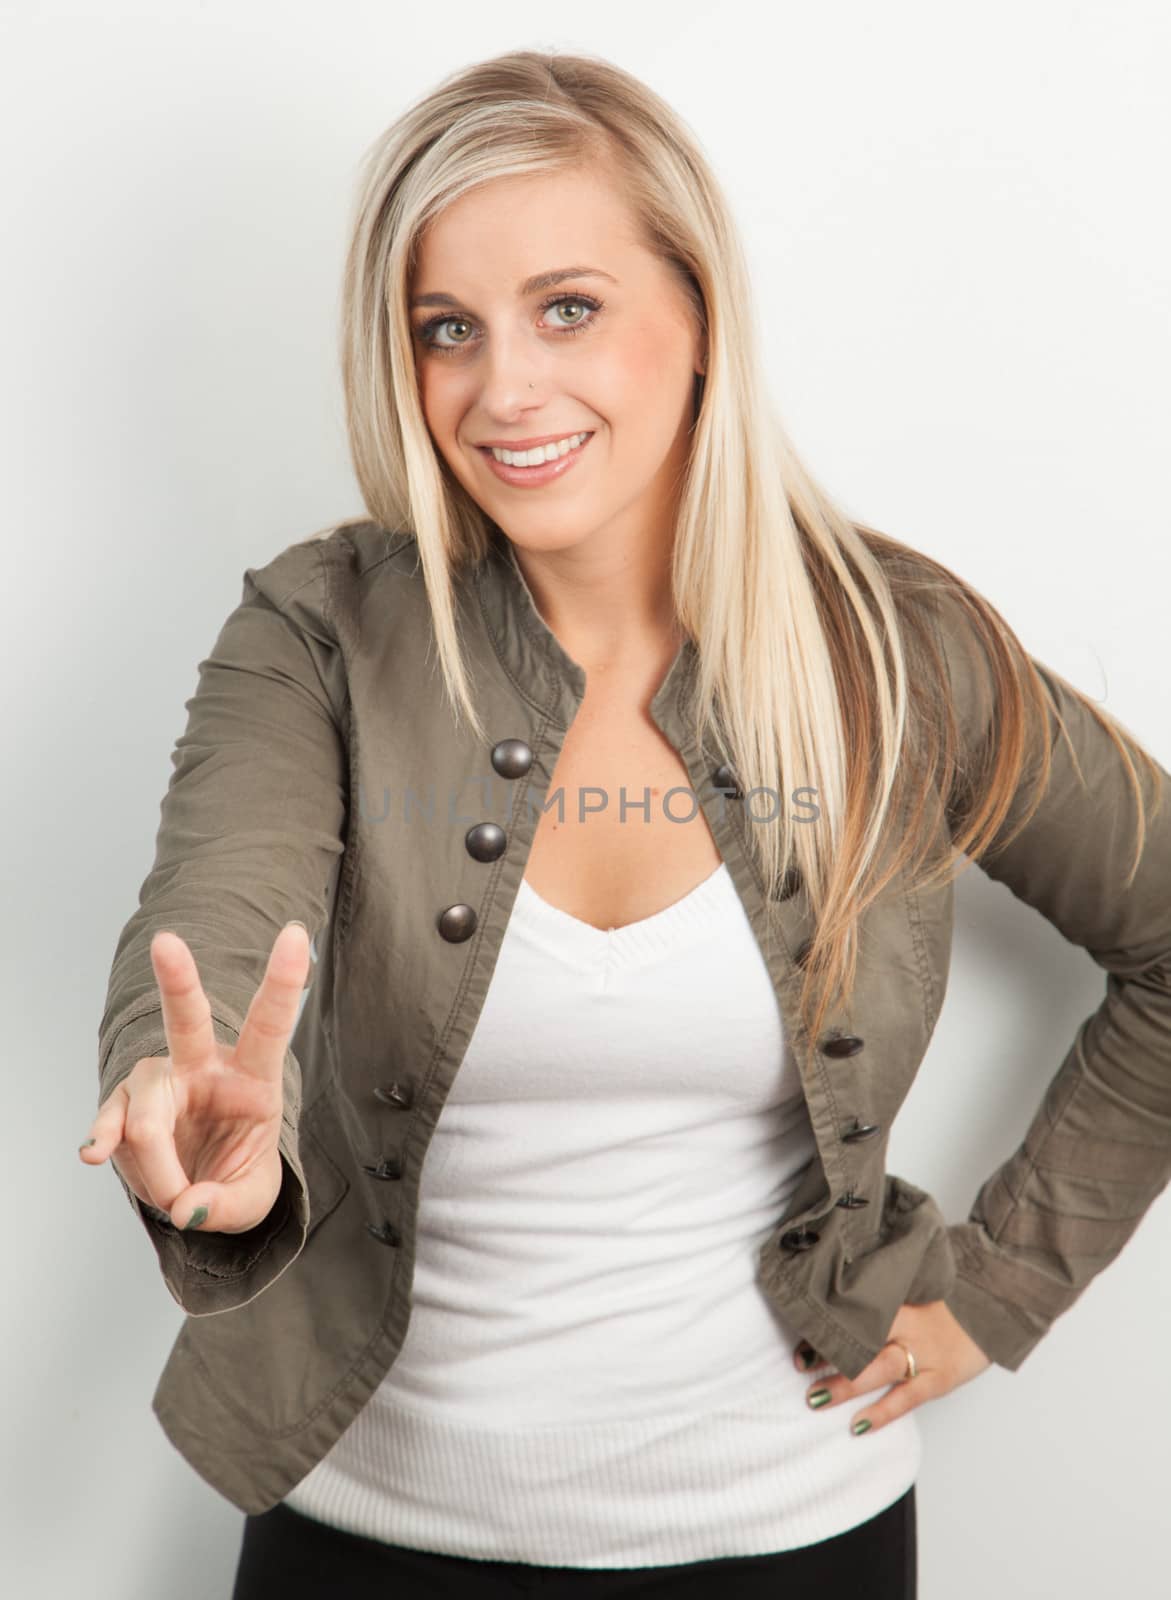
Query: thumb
(232, 1207)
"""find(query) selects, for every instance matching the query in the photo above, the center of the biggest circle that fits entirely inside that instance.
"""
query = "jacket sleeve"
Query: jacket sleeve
(252, 824)
(1097, 1150)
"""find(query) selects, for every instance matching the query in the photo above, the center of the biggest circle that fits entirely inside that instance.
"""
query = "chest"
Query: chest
(621, 834)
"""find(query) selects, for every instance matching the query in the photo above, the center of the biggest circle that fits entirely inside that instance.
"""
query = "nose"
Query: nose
(514, 375)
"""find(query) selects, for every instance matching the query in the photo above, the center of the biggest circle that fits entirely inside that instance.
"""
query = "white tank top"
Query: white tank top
(591, 1375)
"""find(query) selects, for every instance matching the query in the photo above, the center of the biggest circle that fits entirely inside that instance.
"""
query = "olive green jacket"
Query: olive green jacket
(322, 776)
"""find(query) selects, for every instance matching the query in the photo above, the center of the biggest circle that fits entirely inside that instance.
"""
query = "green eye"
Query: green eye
(427, 331)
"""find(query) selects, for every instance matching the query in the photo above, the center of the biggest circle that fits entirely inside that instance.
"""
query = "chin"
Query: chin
(546, 539)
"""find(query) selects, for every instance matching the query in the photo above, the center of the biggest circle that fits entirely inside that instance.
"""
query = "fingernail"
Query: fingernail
(860, 1426)
(808, 1358)
(197, 1216)
(295, 923)
(87, 1144)
(818, 1397)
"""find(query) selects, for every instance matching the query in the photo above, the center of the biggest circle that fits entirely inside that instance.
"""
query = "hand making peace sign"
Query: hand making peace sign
(195, 1133)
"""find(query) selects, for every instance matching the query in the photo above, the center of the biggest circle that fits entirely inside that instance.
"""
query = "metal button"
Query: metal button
(384, 1232)
(395, 1094)
(852, 1201)
(864, 1130)
(457, 923)
(724, 778)
(512, 758)
(841, 1044)
(486, 841)
(790, 884)
(799, 1239)
(388, 1167)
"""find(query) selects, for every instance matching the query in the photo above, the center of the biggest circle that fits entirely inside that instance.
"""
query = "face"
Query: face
(610, 352)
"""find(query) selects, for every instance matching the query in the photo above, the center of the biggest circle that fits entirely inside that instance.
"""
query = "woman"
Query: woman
(560, 1372)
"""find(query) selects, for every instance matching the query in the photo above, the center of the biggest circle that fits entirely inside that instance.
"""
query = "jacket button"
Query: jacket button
(801, 954)
(395, 1094)
(384, 1232)
(724, 778)
(486, 841)
(841, 1044)
(799, 1239)
(852, 1201)
(864, 1130)
(790, 884)
(388, 1167)
(457, 923)
(512, 758)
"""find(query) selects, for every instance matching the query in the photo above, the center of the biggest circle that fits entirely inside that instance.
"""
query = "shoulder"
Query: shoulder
(954, 638)
(317, 581)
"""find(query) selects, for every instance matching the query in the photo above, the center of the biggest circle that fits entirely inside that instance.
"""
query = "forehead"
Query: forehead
(507, 229)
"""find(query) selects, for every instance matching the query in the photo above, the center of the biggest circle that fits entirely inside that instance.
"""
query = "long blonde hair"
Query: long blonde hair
(805, 622)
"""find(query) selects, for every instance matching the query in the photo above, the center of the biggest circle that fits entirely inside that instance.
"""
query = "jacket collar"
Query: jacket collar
(543, 670)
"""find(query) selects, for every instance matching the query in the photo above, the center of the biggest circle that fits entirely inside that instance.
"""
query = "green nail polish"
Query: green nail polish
(860, 1426)
(818, 1398)
(197, 1216)
(87, 1144)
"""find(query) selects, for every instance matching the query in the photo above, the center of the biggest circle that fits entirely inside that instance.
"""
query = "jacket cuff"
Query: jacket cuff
(208, 1272)
(997, 1325)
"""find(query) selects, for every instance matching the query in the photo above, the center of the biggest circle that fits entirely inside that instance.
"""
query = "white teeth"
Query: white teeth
(540, 453)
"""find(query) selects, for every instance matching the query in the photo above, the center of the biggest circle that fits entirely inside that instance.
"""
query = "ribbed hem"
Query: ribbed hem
(651, 1492)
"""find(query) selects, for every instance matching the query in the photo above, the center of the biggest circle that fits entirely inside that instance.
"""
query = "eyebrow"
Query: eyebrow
(543, 280)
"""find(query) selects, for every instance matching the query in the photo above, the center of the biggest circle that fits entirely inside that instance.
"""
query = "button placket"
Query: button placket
(400, 1094)
(841, 1046)
(485, 842)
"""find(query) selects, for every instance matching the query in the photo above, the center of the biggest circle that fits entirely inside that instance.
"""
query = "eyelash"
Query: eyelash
(424, 333)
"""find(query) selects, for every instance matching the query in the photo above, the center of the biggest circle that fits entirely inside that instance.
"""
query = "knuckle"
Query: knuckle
(190, 1025)
(269, 1027)
(142, 1130)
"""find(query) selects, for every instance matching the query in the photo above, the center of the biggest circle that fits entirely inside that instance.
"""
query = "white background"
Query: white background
(957, 224)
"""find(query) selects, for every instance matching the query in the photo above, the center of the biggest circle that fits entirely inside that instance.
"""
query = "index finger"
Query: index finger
(186, 1010)
(272, 1016)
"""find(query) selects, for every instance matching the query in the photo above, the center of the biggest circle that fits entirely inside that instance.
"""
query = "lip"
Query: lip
(529, 444)
(535, 477)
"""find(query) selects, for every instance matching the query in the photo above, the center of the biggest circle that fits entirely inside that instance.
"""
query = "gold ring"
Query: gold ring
(912, 1365)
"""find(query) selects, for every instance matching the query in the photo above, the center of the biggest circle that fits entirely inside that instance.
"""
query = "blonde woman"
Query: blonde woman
(618, 783)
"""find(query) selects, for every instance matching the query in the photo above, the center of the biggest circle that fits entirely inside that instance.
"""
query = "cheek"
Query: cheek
(642, 392)
(442, 407)
(432, 393)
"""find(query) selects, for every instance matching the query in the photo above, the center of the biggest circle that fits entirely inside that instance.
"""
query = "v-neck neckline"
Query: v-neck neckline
(646, 934)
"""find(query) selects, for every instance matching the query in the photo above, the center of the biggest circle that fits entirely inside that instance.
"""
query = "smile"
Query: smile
(531, 468)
